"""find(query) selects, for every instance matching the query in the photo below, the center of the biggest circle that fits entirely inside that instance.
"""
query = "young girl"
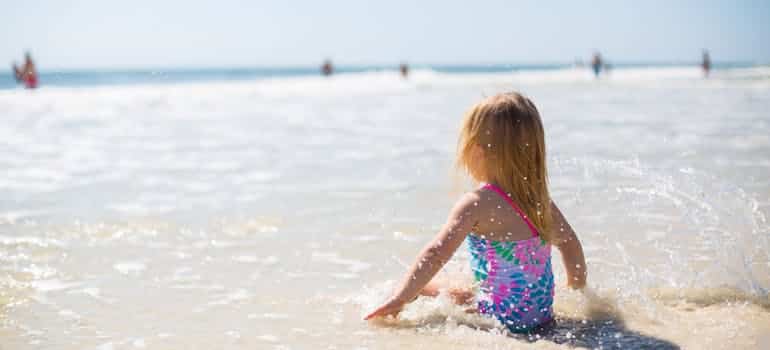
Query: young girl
(509, 222)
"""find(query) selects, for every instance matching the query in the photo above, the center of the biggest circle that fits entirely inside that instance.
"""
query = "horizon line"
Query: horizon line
(380, 65)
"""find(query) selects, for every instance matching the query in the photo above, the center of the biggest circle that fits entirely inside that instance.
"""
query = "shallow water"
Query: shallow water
(275, 213)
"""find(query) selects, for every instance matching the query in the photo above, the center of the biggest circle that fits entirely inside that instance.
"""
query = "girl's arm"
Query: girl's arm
(434, 255)
(571, 250)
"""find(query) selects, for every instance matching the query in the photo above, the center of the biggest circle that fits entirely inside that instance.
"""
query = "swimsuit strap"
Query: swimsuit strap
(515, 207)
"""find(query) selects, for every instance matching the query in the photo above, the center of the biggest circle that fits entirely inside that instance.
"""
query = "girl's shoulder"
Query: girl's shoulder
(486, 198)
(471, 205)
(496, 218)
(476, 204)
(479, 200)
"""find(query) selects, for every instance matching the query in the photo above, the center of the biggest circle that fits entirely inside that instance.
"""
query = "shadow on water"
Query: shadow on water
(607, 333)
(593, 334)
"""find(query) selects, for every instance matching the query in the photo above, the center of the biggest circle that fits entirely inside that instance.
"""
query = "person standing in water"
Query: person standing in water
(510, 223)
(27, 74)
(706, 63)
(327, 68)
(404, 69)
(596, 64)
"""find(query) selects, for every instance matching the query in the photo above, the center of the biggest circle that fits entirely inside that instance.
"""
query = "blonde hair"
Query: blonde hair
(508, 128)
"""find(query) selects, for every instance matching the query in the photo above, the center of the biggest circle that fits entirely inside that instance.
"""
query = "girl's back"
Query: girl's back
(511, 264)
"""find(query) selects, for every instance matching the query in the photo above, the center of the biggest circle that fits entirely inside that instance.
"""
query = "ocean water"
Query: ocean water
(96, 77)
(165, 76)
(274, 211)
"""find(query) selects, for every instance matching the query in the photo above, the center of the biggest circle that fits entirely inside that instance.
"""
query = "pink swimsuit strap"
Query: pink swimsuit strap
(514, 206)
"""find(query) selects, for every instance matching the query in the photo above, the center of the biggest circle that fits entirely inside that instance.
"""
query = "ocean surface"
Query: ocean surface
(271, 209)
(101, 77)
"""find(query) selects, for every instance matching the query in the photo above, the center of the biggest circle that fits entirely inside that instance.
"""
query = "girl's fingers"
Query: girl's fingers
(384, 310)
(373, 314)
(377, 312)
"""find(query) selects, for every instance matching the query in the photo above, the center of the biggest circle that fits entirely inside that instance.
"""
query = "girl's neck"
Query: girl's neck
(488, 181)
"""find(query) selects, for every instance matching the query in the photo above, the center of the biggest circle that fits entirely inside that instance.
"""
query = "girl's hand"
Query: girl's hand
(391, 307)
(577, 284)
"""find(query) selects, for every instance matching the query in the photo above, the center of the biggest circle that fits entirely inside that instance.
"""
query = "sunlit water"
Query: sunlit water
(273, 214)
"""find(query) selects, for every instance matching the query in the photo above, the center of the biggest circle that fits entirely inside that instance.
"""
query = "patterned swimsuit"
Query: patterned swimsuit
(515, 278)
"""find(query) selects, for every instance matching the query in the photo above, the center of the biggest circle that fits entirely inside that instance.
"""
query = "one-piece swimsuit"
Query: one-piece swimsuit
(515, 279)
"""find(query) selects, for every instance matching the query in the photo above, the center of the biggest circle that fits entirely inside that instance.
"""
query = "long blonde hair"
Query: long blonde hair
(508, 128)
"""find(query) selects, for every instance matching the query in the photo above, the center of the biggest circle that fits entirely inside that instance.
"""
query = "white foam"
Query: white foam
(130, 267)
(268, 338)
(52, 285)
(354, 266)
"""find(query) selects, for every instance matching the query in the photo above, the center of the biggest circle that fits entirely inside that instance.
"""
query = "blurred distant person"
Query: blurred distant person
(706, 63)
(404, 69)
(327, 68)
(27, 74)
(596, 64)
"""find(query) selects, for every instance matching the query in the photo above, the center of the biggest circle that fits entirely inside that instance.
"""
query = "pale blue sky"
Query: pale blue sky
(189, 33)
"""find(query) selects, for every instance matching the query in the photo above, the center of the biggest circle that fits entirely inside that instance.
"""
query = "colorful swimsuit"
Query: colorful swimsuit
(515, 278)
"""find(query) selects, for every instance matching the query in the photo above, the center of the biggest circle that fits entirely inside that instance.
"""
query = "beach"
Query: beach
(274, 212)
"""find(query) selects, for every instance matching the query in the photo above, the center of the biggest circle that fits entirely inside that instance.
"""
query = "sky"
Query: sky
(231, 33)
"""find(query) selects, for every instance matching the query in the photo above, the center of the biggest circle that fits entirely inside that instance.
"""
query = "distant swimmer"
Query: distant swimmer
(706, 64)
(327, 68)
(404, 69)
(596, 64)
(27, 74)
